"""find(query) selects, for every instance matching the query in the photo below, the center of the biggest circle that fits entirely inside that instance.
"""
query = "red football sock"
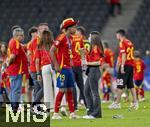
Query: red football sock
(58, 100)
(107, 97)
(137, 92)
(69, 98)
(141, 92)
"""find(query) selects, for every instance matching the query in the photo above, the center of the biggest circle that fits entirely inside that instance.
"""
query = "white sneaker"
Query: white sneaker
(82, 102)
(114, 105)
(56, 116)
(103, 101)
(63, 111)
(88, 117)
(134, 105)
(52, 111)
(73, 116)
(142, 99)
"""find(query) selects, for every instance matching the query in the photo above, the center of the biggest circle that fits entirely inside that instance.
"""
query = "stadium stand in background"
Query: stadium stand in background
(92, 14)
(139, 30)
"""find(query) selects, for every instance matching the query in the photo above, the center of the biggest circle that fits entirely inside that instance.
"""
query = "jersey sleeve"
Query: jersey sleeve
(122, 48)
(14, 47)
(59, 40)
(37, 54)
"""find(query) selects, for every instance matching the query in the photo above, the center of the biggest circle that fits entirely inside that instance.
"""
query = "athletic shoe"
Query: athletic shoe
(51, 110)
(142, 99)
(114, 105)
(63, 111)
(73, 116)
(134, 105)
(82, 102)
(56, 116)
(88, 117)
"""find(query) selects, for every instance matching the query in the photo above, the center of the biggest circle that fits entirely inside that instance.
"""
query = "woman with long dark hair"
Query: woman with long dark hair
(43, 64)
(91, 86)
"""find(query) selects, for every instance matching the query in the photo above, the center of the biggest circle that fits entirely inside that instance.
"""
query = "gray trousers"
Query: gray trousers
(91, 93)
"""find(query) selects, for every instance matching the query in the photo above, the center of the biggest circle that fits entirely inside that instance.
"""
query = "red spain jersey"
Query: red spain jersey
(32, 46)
(5, 82)
(106, 78)
(64, 51)
(43, 55)
(126, 47)
(24, 62)
(139, 68)
(14, 47)
(94, 55)
(109, 57)
(77, 44)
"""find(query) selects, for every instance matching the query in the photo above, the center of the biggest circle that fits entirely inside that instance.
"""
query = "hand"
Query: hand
(39, 77)
(122, 70)
(57, 68)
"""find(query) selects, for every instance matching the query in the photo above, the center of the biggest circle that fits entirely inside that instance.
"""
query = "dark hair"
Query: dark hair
(106, 45)
(14, 27)
(46, 40)
(81, 29)
(96, 40)
(121, 32)
(33, 29)
(137, 53)
(43, 24)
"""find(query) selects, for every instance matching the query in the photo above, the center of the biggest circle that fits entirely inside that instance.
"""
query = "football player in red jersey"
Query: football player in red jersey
(109, 59)
(125, 72)
(139, 68)
(32, 32)
(4, 82)
(77, 57)
(106, 83)
(61, 56)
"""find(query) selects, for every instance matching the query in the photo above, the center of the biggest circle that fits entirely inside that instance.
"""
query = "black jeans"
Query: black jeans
(77, 71)
(91, 92)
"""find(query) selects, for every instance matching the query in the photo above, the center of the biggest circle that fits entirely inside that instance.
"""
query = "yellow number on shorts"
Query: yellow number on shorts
(130, 53)
(62, 77)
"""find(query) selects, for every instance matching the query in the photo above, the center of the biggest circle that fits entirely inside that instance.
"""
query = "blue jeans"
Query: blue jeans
(38, 88)
(16, 89)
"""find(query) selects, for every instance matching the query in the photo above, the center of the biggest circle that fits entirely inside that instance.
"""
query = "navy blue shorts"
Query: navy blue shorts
(65, 79)
(138, 82)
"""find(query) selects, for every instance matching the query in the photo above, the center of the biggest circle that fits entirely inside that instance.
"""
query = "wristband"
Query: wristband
(122, 65)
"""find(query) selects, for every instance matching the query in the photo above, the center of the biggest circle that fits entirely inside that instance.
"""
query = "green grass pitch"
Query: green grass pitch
(133, 118)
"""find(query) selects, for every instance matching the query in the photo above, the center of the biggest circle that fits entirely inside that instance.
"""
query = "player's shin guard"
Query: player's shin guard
(58, 100)
(69, 98)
